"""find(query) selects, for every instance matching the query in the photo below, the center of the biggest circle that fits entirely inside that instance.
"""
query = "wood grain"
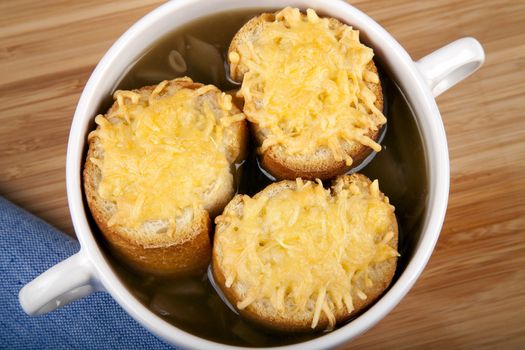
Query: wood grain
(472, 294)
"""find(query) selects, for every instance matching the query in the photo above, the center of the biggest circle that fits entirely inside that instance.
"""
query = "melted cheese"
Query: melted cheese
(305, 247)
(162, 152)
(306, 84)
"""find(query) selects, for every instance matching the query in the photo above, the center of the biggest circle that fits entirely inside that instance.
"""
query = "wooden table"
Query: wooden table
(471, 295)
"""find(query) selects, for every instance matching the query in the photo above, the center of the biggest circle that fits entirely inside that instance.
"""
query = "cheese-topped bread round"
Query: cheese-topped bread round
(159, 165)
(311, 92)
(298, 257)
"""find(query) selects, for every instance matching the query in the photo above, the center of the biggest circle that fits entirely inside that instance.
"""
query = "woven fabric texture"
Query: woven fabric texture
(28, 247)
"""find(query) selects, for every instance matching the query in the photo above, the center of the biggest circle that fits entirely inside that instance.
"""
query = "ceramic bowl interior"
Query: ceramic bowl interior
(424, 196)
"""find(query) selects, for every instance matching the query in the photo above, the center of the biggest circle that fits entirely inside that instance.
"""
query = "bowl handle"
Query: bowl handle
(63, 283)
(450, 64)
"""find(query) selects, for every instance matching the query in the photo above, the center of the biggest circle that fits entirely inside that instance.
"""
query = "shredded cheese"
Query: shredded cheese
(305, 247)
(162, 151)
(305, 84)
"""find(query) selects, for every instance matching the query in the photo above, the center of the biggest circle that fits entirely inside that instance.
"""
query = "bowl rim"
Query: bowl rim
(434, 140)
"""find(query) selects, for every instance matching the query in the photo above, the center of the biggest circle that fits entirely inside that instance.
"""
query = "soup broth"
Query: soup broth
(198, 50)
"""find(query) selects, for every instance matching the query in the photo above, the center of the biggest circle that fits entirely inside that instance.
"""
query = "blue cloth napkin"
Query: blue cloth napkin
(28, 247)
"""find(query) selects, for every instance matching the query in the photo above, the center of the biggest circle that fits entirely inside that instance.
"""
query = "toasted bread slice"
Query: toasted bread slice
(187, 136)
(280, 75)
(298, 257)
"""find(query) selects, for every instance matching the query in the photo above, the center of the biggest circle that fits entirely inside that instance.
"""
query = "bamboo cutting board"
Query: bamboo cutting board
(471, 295)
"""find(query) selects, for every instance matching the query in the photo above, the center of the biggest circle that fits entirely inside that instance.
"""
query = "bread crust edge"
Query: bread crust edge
(174, 259)
(286, 167)
(387, 269)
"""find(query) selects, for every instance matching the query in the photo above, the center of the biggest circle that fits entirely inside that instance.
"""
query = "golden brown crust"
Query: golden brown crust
(242, 133)
(188, 255)
(322, 164)
(380, 274)
(245, 33)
